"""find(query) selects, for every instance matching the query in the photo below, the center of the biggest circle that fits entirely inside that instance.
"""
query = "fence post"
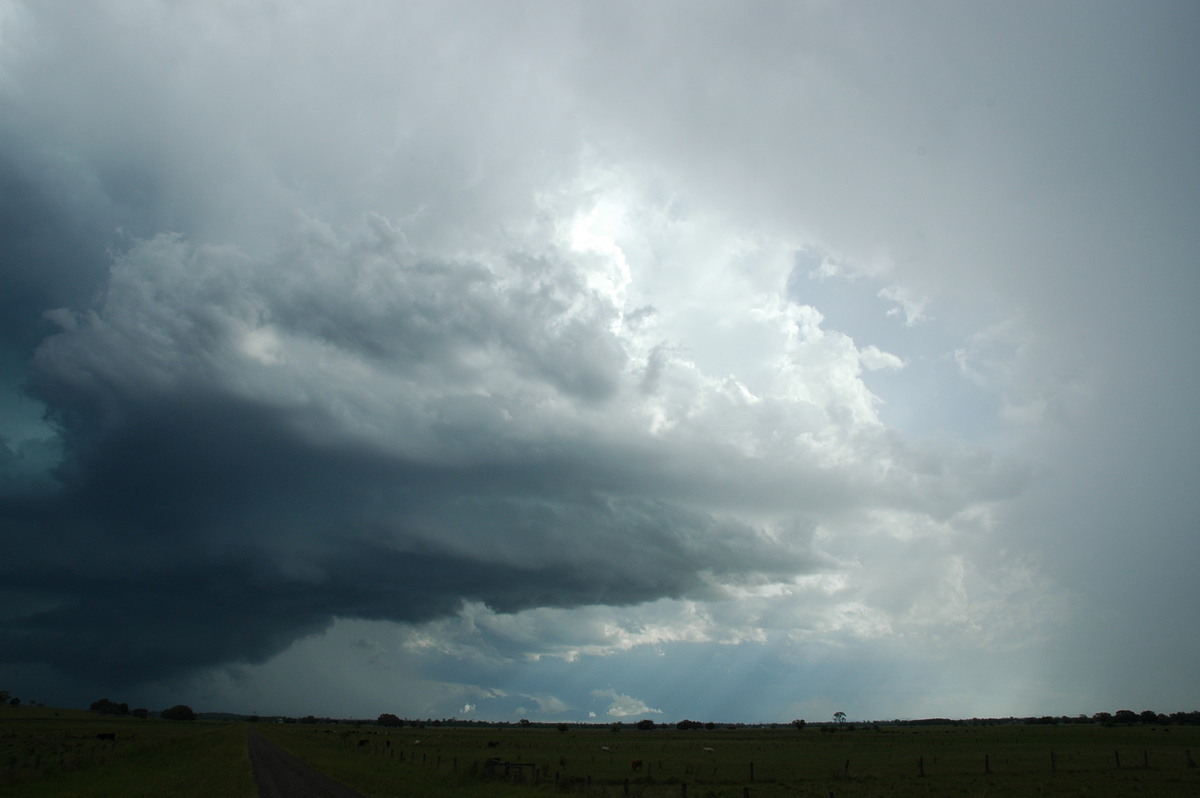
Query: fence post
(921, 766)
(987, 763)
(751, 771)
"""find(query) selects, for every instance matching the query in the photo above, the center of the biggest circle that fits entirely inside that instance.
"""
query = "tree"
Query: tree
(388, 719)
(106, 707)
(645, 725)
(1125, 716)
(179, 712)
(799, 723)
(839, 716)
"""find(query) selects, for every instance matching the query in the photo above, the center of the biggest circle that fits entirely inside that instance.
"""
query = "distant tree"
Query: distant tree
(799, 723)
(645, 725)
(1103, 717)
(686, 724)
(14, 702)
(562, 727)
(840, 717)
(141, 712)
(710, 725)
(524, 723)
(104, 707)
(616, 726)
(388, 719)
(4, 696)
(1149, 716)
(308, 719)
(1125, 716)
(179, 712)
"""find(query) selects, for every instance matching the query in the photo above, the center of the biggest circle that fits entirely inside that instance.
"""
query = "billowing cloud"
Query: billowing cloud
(350, 429)
(624, 706)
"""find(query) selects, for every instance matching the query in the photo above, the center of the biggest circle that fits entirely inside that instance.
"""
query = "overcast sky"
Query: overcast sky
(601, 361)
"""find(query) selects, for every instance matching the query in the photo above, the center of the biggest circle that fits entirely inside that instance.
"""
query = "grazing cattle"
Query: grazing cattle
(606, 748)
(107, 736)
(707, 750)
(636, 764)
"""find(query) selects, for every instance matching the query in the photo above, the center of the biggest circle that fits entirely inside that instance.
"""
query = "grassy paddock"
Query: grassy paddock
(45, 752)
(57, 753)
(1071, 760)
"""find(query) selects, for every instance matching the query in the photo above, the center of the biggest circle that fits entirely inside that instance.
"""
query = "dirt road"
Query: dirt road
(281, 775)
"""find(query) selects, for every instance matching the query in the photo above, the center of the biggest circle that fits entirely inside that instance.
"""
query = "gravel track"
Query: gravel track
(282, 775)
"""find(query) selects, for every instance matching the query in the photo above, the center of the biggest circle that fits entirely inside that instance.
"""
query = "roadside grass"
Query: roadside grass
(46, 755)
(1070, 760)
(381, 770)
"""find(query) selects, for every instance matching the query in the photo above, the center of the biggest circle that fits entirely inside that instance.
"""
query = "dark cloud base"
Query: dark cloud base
(194, 530)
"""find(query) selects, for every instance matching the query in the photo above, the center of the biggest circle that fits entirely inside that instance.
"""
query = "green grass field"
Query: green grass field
(57, 753)
(1082, 760)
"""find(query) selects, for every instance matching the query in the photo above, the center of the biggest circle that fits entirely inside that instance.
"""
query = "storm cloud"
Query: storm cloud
(518, 357)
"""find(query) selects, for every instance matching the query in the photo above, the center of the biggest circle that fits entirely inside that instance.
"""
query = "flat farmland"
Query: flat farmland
(1069, 760)
(61, 753)
(65, 753)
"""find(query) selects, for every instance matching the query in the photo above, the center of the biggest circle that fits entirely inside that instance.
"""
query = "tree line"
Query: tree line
(104, 706)
(1121, 717)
